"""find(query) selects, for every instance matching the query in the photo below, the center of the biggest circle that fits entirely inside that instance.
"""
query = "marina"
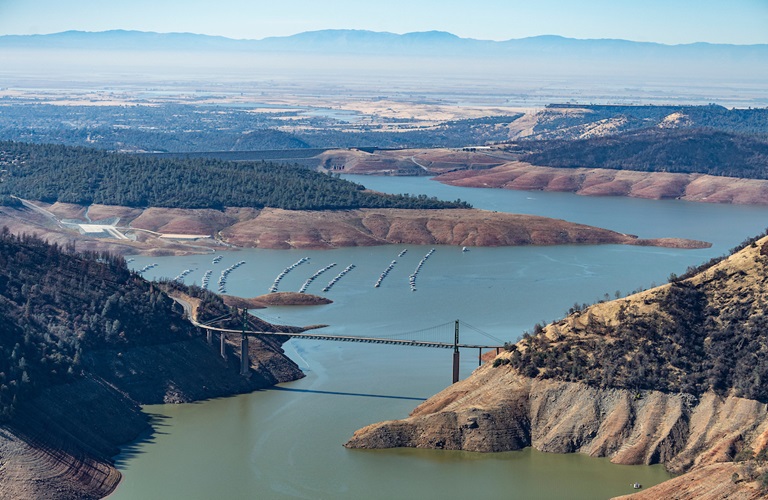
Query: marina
(384, 274)
(338, 277)
(225, 275)
(284, 273)
(146, 268)
(182, 275)
(412, 277)
(206, 279)
(314, 277)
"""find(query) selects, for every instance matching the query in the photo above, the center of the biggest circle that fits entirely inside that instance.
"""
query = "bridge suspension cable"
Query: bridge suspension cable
(218, 320)
(442, 332)
(481, 332)
(403, 338)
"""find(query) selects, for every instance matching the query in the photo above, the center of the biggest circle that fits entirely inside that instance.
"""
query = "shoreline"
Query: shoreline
(141, 231)
(494, 168)
(697, 188)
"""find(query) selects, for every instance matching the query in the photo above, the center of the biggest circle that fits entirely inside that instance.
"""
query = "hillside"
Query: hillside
(320, 230)
(672, 150)
(671, 375)
(84, 342)
(54, 173)
(704, 333)
(611, 182)
(125, 124)
(584, 121)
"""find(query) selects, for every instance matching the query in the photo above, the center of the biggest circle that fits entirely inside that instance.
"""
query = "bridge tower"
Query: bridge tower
(245, 362)
(456, 352)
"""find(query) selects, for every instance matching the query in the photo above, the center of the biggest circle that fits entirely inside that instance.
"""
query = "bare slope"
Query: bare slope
(282, 229)
(499, 168)
(274, 228)
(671, 375)
(607, 182)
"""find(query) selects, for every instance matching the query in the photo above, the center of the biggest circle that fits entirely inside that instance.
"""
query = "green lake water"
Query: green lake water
(287, 442)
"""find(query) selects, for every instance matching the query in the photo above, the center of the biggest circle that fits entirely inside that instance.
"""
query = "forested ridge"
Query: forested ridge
(84, 176)
(705, 331)
(685, 150)
(57, 307)
(559, 120)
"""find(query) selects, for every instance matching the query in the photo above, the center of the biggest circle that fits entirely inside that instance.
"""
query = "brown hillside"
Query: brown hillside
(164, 231)
(605, 182)
(672, 375)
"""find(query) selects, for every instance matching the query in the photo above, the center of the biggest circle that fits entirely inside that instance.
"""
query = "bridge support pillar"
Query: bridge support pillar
(209, 337)
(455, 366)
(223, 346)
(245, 362)
(456, 353)
(480, 356)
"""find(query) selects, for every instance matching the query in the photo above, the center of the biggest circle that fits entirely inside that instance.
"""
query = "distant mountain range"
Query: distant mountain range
(702, 70)
(359, 42)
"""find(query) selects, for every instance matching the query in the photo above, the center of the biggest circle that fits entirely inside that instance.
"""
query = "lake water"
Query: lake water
(287, 442)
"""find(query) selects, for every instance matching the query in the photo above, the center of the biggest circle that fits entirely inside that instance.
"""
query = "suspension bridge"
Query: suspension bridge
(444, 336)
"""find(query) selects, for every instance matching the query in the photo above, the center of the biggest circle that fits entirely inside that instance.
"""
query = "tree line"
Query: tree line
(687, 338)
(57, 307)
(704, 151)
(51, 173)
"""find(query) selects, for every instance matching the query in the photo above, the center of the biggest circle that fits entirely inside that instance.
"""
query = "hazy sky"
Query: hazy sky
(665, 21)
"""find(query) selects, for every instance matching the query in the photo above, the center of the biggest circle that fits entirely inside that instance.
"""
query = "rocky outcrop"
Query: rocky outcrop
(713, 314)
(716, 481)
(496, 409)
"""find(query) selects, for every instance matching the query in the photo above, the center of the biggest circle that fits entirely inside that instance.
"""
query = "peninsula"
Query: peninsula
(694, 153)
(84, 343)
(163, 206)
(687, 392)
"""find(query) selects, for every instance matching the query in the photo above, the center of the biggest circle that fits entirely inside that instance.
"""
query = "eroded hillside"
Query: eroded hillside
(84, 342)
(672, 375)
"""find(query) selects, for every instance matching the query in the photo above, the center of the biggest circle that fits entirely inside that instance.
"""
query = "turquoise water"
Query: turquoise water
(286, 442)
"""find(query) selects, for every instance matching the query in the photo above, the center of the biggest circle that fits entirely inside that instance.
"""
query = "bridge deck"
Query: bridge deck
(350, 338)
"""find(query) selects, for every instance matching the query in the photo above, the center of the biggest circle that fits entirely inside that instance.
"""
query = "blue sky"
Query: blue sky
(664, 21)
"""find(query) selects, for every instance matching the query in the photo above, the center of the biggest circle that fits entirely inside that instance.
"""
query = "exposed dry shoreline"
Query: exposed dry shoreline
(499, 409)
(496, 168)
(276, 299)
(60, 444)
(604, 182)
(155, 231)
